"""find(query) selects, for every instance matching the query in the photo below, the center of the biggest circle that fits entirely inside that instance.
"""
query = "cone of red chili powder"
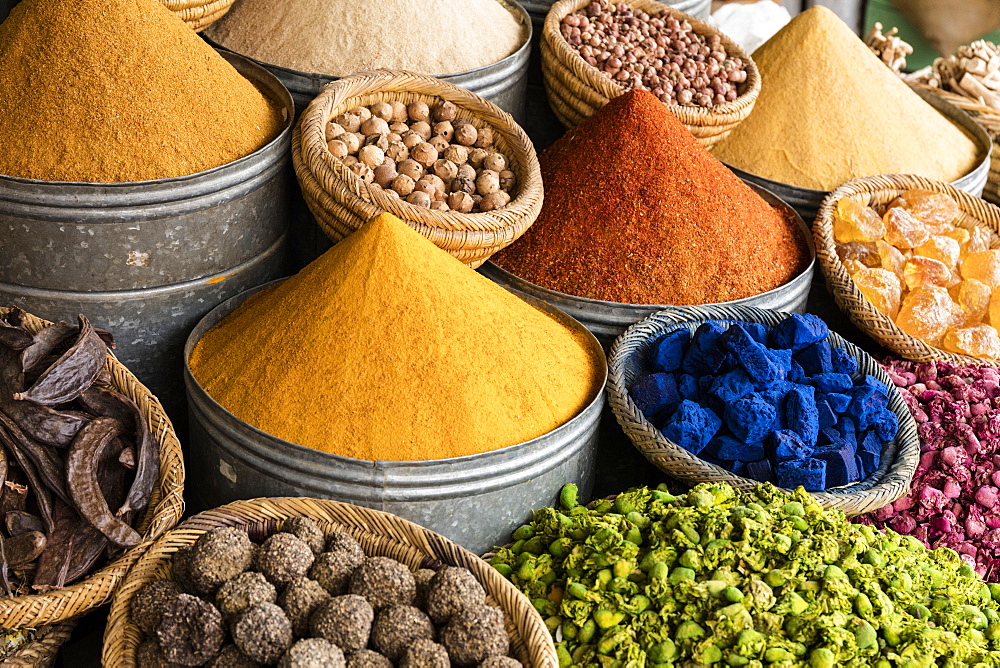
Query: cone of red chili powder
(637, 211)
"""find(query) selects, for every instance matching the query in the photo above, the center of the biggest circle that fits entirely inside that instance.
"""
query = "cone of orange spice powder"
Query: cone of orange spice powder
(637, 211)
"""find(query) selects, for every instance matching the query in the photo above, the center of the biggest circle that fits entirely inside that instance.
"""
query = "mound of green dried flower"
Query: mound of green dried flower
(719, 576)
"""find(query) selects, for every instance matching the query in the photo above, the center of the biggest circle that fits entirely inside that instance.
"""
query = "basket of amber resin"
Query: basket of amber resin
(915, 264)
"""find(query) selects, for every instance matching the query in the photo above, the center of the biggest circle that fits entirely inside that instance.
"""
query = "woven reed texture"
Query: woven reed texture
(879, 191)
(989, 118)
(41, 652)
(380, 534)
(166, 506)
(576, 90)
(628, 362)
(199, 14)
(342, 202)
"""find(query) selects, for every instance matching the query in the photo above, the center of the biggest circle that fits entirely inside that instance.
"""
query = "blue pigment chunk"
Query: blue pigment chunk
(838, 402)
(786, 445)
(815, 358)
(844, 362)
(809, 473)
(832, 382)
(827, 417)
(886, 425)
(801, 413)
(687, 385)
(761, 471)
(705, 355)
(731, 386)
(841, 465)
(732, 449)
(668, 353)
(752, 356)
(692, 426)
(751, 418)
(798, 331)
(655, 392)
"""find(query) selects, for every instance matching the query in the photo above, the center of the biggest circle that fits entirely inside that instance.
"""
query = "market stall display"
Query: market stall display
(638, 213)
(436, 564)
(722, 576)
(342, 201)
(914, 329)
(703, 60)
(86, 549)
(810, 68)
(480, 45)
(393, 375)
(667, 446)
(145, 259)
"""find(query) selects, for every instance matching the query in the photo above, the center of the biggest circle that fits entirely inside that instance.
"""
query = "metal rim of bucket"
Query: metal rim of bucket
(322, 79)
(132, 194)
(808, 200)
(492, 476)
(491, 269)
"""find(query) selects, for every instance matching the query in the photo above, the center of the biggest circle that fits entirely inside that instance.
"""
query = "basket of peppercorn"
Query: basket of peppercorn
(595, 50)
(91, 471)
(308, 582)
(743, 395)
(451, 164)
(199, 14)
(915, 264)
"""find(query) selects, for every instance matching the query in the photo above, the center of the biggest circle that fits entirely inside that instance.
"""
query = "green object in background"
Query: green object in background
(923, 54)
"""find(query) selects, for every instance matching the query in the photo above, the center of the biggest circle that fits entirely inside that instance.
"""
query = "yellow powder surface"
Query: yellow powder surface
(107, 91)
(830, 111)
(388, 348)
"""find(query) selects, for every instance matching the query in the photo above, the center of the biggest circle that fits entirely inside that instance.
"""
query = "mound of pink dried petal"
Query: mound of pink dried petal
(955, 498)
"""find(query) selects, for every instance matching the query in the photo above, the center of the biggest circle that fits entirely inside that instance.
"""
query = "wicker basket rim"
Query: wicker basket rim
(564, 53)
(907, 450)
(338, 95)
(88, 592)
(842, 285)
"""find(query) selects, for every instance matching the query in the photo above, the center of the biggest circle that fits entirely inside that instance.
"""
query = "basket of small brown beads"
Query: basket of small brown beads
(915, 264)
(199, 14)
(305, 582)
(451, 164)
(594, 50)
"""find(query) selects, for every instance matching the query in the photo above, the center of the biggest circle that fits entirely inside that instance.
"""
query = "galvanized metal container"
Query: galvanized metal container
(148, 259)
(607, 320)
(502, 83)
(537, 9)
(806, 201)
(474, 500)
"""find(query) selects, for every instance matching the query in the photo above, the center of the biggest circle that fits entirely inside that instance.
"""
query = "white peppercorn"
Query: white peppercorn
(352, 140)
(411, 139)
(349, 161)
(398, 112)
(425, 187)
(488, 182)
(403, 185)
(443, 129)
(419, 199)
(435, 181)
(397, 151)
(334, 130)
(460, 201)
(382, 141)
(385, 174)
(444, 111)
(363, 172)
(467, 171)
(411, 168)
(372, 156)
(477, 156)
(507, 180)
(424, 153)
(375, 126)
(423, 129)
(363, 113)
(492, 201)
(446, 169)
(484, 137)
(440, 143)
(349, 122)
(337, 148)
(399, 128)
(418, 111)
(456, 154)
(393, 137)
(466, 134)
(495, 162)
(463, 184)
(381, 110)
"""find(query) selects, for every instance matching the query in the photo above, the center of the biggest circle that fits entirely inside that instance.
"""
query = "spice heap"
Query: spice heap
(637, 211)
(77, 460)
(936, 280)
(375, 351)
(433, 37)
(428, 155)
(161, 104)
(304, 598)
(955, 496)
(776, 404)
(655, 52)
(744, 578)
(830, 111)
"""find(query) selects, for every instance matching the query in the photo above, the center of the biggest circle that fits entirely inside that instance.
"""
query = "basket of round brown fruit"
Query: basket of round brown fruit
(298, 582)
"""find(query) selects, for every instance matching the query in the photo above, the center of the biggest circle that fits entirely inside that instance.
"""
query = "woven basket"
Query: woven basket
(199, 14)
(989, 118)
(576, 90)
(166, 506)
(342, 202)
(628, 362)
(880, 190)
(379, 533)
(41, 652)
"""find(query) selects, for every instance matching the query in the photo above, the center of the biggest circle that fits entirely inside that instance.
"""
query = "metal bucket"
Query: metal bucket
(502, 83)
(807, 201)
(607, 320)
(539, 9)
(474, 500)
(148, 259)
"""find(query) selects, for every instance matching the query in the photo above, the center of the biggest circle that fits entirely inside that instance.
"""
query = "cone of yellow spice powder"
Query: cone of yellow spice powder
(829, 111)
(111, 91)
(388, 348)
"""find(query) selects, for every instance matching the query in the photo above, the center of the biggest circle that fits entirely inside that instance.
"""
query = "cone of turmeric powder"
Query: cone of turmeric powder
(388, 348)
